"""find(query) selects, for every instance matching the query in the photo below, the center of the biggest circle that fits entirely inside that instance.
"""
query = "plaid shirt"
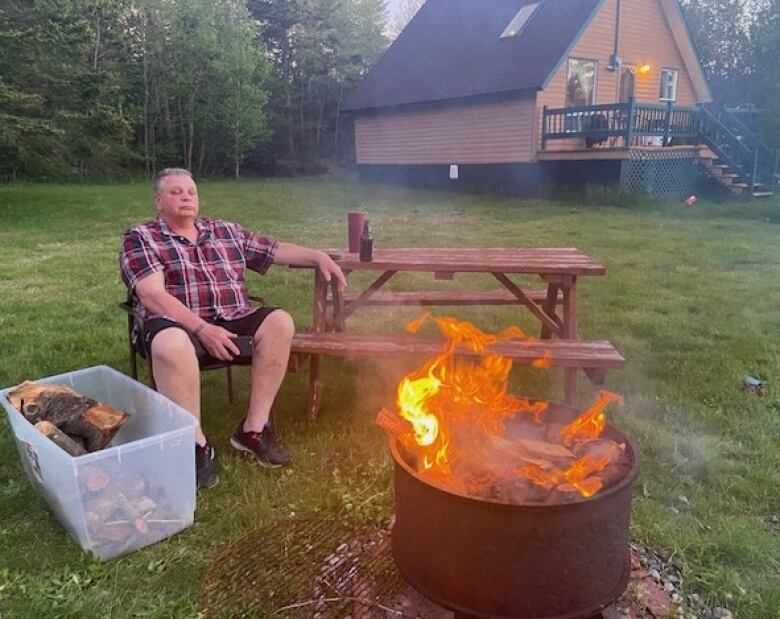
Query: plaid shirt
(207, 276)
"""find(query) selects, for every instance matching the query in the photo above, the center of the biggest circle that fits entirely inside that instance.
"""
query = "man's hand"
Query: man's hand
(218, 342)
(331, 270)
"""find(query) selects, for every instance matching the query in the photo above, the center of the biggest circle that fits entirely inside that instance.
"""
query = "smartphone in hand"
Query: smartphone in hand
(244, 345)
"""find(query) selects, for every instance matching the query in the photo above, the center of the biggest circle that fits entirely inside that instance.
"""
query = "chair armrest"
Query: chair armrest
(126, 307)
(258, 300)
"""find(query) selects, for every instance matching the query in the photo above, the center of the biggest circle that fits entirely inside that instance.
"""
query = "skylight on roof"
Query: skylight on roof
(520, 20)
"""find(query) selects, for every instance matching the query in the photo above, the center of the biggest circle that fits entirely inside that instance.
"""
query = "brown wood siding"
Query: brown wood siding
(645, 37)
(483, 133)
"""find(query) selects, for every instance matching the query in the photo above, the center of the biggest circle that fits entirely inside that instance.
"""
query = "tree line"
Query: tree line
(739, 45)
(96, 87)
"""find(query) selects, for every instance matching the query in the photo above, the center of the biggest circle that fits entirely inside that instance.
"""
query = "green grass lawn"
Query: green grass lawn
(691, 299)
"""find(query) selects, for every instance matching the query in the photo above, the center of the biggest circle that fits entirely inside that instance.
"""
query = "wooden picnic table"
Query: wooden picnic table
(557, 268)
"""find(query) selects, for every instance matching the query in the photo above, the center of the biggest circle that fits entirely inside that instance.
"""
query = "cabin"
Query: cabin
(515, 96)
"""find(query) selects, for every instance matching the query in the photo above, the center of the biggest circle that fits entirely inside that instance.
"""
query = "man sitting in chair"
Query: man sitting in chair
(186, 277)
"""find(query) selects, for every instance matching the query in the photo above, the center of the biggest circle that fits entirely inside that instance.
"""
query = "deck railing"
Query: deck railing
(638, 124)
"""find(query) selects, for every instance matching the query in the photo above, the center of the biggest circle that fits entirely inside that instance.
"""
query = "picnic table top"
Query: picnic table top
(541, 260)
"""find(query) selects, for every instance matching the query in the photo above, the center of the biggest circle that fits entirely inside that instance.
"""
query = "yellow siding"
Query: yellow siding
(495, 132)
(645, 37)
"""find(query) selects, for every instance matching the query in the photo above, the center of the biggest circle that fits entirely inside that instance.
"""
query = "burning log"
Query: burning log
(59, 438)
(72, 413)
(531, 451)
(461, 430)
(394, 423)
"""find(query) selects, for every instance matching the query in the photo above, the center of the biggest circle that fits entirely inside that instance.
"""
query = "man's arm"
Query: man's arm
(216, 340)
(295, 255)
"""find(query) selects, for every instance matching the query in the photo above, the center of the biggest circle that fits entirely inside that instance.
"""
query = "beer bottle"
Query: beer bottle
(366, 243)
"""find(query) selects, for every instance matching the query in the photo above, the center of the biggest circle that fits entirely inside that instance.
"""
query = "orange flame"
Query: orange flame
(544, 362)
(580, 476)
(454, 403)
(414, 325)
(591, 423)
(457, 389)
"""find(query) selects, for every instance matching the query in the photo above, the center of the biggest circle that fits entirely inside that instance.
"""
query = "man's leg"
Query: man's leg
(272, 341)
(176, 372)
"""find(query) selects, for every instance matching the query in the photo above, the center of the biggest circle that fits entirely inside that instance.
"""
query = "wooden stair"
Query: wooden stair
(721, 173)
(737, 158)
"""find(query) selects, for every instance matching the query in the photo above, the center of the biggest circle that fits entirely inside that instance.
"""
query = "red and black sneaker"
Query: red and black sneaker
(205, 471)
(262, 446)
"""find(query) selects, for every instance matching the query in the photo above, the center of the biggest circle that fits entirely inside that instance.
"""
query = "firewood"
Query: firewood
(144, 505)
(59, 438)
(599, 448)
(98, 425)
(132, 513)
(132, 484)
(615, 472)
(101, 509)
(117, 531)
(70, 411)
(394, 423)
(529, 450)
(553, 432)
(29, 391)
(95, 479)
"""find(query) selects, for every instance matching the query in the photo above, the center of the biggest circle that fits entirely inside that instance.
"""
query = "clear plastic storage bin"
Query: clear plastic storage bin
(135, 492)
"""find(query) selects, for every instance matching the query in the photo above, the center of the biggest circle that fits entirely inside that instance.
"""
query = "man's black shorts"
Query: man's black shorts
(243, 326)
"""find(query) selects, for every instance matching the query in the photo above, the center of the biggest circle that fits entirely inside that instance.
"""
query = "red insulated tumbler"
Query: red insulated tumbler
(355, 223)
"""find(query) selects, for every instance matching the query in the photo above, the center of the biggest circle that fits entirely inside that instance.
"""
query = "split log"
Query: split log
(535, 452)
(29, 391)
(59, 438)
(94, 479)
(394, 423)
(133, 485)
(98, 425)
(145, 505)
(101, 509)
(116, 531)
(70, 411)
(598, 448)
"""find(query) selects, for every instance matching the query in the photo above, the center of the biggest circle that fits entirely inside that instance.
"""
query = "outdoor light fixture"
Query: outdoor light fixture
(643, 69)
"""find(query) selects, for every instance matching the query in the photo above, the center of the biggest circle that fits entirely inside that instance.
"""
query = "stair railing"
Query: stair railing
(765, 161)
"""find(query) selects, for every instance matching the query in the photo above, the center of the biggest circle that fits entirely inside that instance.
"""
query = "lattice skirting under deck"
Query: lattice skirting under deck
(660, 174)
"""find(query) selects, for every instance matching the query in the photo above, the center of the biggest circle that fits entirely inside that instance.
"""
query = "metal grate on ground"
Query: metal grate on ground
(317, 569)
(659, 173)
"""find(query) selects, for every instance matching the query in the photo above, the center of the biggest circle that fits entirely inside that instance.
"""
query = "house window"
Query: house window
(668, 84)
(581, 82)
(520, 20)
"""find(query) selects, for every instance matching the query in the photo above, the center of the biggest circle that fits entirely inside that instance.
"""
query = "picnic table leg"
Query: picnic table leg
(550, 304)
(319, 320)
(569, 332)
(339, 322)
(315, 387)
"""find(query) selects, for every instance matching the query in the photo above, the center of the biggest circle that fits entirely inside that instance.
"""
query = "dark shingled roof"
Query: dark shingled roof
(453, 49)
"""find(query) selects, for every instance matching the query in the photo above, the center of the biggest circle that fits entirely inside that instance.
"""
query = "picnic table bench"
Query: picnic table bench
(559, 268)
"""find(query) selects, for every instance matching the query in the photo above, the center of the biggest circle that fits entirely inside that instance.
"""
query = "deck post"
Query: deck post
(668, 123)
(630, 124)
(544, 127)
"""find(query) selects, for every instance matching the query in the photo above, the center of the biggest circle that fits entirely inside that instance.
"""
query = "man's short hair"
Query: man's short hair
(169, 172)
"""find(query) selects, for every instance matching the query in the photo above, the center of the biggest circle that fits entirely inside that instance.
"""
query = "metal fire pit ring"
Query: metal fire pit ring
(486, 558)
